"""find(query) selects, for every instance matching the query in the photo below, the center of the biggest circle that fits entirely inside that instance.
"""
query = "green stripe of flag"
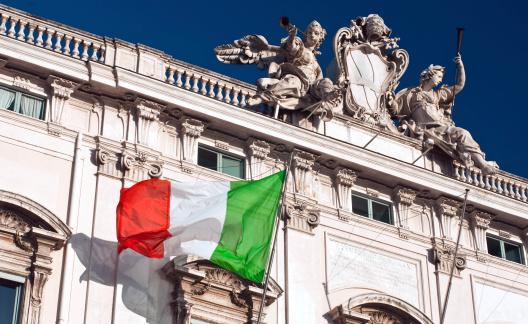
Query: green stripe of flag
(248, 228)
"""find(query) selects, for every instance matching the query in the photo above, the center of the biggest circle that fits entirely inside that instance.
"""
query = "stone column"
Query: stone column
(480, 223)
(447, 211)
(147, 113)
(404, 200)
(191, 131)
(345, 179)
(302, 173)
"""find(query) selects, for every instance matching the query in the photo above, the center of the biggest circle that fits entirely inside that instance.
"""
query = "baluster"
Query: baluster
(67, 40)
(76, 43)
(31, 29)
(21, 27)
(235, 101)
(49, 34)
(86, 46)
(195, 83)
(170, 79)
(481, 177)
(512, 190)
(523, 193)
(203, 84)
(219, 95)
(506, 187)
(517, 193)
(499, 185)
(187, 84)
(457, 169)
(227, 98)
(58, 38)
(469, 175)
(102, 54)
(493, 183)
(243, 96)
(179, 74)
(11, 32)
(212, 85)
(3, 25)
(463, 173)
(95, 50)
(40, 31)
(487, 180)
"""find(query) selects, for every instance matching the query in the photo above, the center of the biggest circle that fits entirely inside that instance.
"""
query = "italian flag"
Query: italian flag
(228, 223)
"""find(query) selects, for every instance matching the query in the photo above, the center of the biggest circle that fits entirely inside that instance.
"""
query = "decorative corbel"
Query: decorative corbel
(302, 173)
(480, 223)
(345, 179)
(443, 257)
(258, 152)
(191, 130)
(404, 200)
(61, 91)
(147, 112)
(302, 217)
(447, 210)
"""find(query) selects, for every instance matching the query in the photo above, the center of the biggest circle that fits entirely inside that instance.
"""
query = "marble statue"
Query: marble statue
(425, 113)
(295, 80)
(370, 72)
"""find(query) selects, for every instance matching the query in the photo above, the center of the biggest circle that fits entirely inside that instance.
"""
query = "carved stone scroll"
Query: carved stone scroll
(147, 113)
(447, 210)
(258, 152)
(302, 217)
(345, 179)
(61, 91)
(480, 223)
(404, 200)
(443, 257)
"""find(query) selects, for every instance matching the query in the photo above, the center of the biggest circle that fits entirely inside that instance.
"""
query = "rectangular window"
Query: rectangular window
(10, 299)
(22, 103)
(221, 162)
(504, 249)
(372, 209)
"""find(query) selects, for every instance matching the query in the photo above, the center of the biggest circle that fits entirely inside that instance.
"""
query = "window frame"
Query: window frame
(20, 283)
(219, 155)
(503, 251)
(370, 209)
(18, 98)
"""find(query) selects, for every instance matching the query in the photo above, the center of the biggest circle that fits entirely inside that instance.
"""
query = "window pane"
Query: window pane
(512, 252)
(7, 99)
(360, 206)
(32, 107)
(381, 212)
(494, 247)
(9, 300)
(207, 159)
(232, 166)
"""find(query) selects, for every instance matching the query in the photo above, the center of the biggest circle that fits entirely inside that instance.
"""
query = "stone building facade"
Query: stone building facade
(369, 225)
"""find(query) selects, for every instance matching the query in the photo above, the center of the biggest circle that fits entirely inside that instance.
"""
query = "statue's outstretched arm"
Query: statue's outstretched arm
(461, 74)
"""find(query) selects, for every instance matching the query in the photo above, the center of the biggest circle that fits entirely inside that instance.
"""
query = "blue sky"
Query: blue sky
(492, 106)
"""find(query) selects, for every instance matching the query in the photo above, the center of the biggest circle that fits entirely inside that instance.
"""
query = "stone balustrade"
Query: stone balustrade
(502, 182)
(52, 36)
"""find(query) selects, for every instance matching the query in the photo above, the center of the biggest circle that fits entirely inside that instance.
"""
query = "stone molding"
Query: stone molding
(214, 294)
(443, 257)
(377, 309)
(345, 179)
(302, 173)
(258, 152)
(191, 130)
(404, 198)
(302, 216)
(61, 91)
(147, 112)
(447, 210)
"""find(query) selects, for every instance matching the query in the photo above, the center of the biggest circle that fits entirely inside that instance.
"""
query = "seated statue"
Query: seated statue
(426, 113)
(295, 79)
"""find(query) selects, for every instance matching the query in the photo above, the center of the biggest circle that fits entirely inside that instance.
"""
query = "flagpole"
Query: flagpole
(275, 234)
(454, 258)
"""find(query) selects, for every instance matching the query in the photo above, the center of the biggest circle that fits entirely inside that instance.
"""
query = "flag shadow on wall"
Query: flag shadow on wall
(142, 289)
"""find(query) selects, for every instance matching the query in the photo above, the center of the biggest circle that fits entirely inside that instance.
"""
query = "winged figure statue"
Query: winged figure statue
(295, 80)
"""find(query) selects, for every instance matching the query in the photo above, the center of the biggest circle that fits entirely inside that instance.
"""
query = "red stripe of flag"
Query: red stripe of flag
(143, 217)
